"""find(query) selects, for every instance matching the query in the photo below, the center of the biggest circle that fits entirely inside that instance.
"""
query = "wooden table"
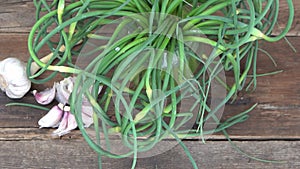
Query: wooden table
(272, 131)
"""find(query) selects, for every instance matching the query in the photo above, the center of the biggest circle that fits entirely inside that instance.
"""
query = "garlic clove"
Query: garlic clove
(67, 121)
(13, 78)
(46, 96)
(72, 124)
(64, 89)
(52, 118)
(63, 124)
(68, 124)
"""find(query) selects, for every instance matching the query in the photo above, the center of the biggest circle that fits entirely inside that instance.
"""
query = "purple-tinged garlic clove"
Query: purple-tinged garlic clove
(68, 123)
(52, 118)
(46, 96)
(63, 124)
(72, 124)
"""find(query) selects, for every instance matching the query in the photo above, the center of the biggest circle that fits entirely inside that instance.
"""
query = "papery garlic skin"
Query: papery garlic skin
(87, 110)
(13, 78)
(87, 115)
(64, 89)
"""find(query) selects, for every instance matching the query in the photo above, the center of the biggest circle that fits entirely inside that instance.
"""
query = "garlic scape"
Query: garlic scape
(35, 67)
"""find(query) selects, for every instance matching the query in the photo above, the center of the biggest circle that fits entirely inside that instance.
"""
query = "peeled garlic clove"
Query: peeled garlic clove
(64, 89)
(46, 96)
(52, 118)
(13, 78)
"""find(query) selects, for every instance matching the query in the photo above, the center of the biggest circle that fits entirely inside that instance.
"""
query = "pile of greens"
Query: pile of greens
(161, 64)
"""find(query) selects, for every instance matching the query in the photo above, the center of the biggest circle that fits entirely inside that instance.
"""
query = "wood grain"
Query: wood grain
(283, 15)
(217, 155)
(271, 132)
(277, 96)
(18, 16)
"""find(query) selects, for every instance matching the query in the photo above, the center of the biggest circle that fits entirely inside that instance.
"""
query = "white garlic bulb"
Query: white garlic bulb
(13, 78)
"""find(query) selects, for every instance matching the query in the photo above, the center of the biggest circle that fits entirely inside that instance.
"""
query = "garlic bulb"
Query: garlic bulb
(13, 78)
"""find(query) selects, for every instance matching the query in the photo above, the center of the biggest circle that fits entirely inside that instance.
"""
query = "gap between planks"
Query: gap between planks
(34, 134)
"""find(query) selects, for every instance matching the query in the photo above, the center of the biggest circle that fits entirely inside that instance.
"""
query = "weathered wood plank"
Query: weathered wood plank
(77, 154)
(23, 145)
(277, 96)
(283, 15)
(16, 15)
(13, 45)
(19, 16)
(28, 134)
